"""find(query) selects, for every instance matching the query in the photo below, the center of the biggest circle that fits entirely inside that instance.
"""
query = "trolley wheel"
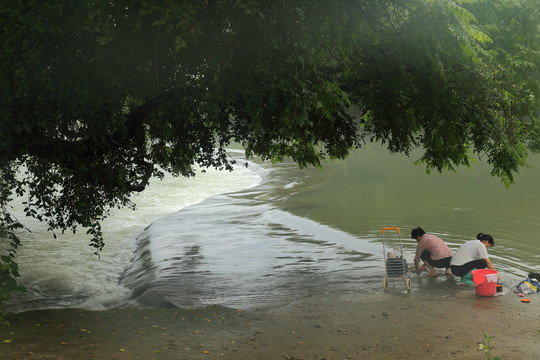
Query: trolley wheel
(408, 283)
(385, 283)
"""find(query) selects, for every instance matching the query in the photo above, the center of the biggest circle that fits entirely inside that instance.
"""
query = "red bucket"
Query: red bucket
(485, 281)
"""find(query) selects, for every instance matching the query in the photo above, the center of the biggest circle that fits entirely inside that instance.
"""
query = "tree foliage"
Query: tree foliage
(98, 96)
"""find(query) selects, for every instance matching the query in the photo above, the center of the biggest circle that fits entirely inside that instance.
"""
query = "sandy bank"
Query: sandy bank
(341, 325)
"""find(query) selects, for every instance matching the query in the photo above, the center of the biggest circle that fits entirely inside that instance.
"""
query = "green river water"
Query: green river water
(374, 189)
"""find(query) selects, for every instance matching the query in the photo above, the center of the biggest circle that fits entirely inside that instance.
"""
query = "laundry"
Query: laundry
(527, 286)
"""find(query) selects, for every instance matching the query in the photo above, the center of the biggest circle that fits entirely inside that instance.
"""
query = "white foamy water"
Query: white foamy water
(64, 272)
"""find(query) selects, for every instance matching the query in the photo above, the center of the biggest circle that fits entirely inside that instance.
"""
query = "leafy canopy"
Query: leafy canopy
(98, 96)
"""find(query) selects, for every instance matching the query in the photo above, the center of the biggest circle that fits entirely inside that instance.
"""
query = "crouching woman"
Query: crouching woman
(472, 255)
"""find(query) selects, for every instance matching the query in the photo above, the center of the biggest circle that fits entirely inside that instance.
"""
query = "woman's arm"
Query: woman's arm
(419, 251)
(490, 266)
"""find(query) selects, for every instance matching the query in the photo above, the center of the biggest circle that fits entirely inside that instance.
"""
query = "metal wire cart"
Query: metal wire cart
(395, 264)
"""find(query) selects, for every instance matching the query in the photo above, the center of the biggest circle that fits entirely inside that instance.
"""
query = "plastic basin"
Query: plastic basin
(485, 281)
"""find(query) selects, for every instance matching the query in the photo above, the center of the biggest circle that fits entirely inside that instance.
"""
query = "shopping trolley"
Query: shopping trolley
(395, 264)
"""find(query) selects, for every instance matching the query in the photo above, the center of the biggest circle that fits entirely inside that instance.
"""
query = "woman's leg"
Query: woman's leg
(443, 264)
(426, 256)
(440, 264)
(465, 268)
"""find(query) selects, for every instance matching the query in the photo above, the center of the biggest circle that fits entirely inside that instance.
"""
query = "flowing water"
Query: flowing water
(269, 234)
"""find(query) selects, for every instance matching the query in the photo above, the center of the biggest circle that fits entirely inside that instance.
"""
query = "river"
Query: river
(265, 235)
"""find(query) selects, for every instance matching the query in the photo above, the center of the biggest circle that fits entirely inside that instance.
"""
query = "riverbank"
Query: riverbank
(340, 325)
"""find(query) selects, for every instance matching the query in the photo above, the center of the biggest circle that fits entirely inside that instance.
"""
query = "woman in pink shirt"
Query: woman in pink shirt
(432, 250)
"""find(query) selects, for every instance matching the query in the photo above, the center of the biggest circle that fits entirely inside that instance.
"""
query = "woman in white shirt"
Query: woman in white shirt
(472, 255)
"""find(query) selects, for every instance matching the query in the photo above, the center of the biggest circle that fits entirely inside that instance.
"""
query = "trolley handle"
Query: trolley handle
(389, 228)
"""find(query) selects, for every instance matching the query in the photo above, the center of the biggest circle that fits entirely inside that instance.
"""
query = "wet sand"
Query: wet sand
(342, 325)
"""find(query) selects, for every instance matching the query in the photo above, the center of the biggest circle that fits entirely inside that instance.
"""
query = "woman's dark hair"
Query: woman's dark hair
(486, 237)
(417, 232)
